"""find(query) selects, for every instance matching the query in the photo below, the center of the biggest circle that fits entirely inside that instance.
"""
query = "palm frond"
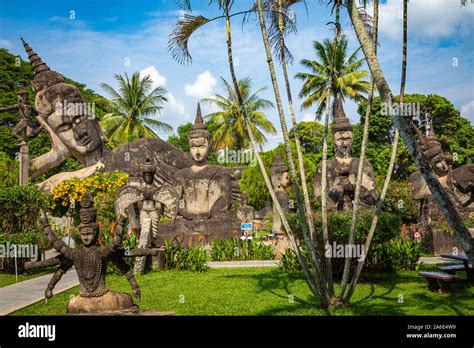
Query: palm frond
(179, 38)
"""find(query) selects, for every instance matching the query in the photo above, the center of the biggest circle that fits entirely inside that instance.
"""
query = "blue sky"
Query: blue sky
(90, 41)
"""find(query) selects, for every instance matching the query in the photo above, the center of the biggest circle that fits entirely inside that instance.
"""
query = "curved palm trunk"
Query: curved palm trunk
(408, 135)
(360, 169)
(310, 276)
(304, 186)
(314, 255)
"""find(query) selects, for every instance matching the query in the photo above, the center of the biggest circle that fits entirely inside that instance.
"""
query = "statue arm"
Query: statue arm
(9, 108)
(223, 203)
(179, 188)
(65, 265)
(126, 270)
(117, 240)
(59, 245)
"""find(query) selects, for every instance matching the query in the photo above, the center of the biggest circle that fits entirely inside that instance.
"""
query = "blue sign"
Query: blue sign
(246, 226)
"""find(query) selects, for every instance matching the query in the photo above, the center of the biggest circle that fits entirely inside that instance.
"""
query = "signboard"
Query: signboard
(246, 226)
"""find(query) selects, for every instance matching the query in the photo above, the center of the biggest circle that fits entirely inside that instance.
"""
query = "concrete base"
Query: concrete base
(198, 232)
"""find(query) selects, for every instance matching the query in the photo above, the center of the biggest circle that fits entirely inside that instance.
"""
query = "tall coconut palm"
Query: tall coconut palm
(178, 45)
(231, 129)
(345, 77)
(408, 135)
(133, 106)
(313, 274)
(282, 24)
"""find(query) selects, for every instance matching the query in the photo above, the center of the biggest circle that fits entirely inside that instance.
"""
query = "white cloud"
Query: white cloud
(203, 86)
(308, 117)
(467, 110)
(158, 79)
(6, 43)
(426, 18)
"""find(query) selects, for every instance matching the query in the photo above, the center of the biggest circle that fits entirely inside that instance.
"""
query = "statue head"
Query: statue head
(433, 151)
(148, 171)
(22, 95)
(341, 131)
(199, 139)
(279, 171)
(63, 108)
(88, 228)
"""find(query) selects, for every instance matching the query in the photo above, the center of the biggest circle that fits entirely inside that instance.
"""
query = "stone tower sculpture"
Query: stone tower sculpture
(342, 171)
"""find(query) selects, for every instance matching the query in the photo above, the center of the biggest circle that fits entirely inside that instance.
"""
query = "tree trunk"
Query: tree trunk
(360, 169)
(299, 199)
(408, 135)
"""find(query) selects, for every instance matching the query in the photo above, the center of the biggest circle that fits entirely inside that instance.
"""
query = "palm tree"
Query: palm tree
(407, 133)
(178, 45)
(344, 76)
(280, 25)
(231, 129)
(133, 106)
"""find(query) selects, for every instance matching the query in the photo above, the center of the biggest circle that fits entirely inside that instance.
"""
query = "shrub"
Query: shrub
(234, 249)
(289, 261)
(192, 259)
(339, 224)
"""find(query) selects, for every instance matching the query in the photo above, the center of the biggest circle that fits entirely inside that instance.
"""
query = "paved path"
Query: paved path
(27, 292)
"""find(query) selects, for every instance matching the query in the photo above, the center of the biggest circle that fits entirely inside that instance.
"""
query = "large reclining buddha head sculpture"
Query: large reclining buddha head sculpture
(77, 130)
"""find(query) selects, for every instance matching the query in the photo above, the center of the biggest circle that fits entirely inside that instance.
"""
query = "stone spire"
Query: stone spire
(341, 122)
(36, 63)
(199, 128)
(278, 166)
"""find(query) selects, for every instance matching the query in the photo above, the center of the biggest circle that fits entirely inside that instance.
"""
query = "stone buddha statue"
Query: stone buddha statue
(205, 193)
(205, 189)
(342, 171)
(74, 131)
(280, 182)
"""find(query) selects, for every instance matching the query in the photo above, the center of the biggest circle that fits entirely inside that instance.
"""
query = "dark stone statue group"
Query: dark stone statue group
(197, 195)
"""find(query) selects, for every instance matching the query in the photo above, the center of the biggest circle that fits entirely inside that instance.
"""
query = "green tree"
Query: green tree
(342, 79)
(133, 106)
(231, 130)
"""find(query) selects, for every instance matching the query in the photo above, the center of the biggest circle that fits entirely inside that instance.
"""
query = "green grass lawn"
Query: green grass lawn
(8, 279)
(269, 291)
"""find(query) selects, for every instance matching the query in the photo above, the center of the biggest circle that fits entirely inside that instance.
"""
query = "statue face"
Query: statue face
(441, 167)
(284, 181)
(343, 144)
(199, 149)
(79, 133)
(148, 178)
(88, 235)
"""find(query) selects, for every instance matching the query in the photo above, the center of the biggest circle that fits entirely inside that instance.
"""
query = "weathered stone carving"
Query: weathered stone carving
(245, 213)
(73, 131)
(458, 183)
(204, 190)
(342, 171)
(90, 264)
(150, 201)
(25, 129)
(280, 182)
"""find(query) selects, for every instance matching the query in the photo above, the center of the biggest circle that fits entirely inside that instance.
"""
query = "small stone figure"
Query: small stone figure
(245, 213)
(90, 264)
(342, 171)
(280, 182)
(150, 201)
